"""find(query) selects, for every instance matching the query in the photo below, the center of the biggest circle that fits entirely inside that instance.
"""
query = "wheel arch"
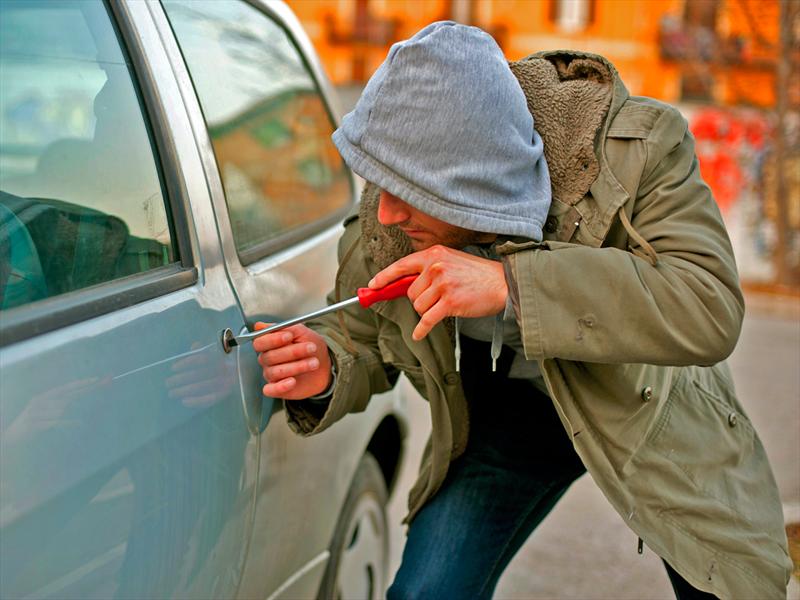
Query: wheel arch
(387, 446)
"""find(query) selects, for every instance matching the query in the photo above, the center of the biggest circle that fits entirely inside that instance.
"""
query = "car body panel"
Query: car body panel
(110, 473)
(137, 458)
(127, 464)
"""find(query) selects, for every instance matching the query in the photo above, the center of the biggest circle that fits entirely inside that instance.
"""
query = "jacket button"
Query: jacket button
(451, 378)
(551, 225)
(647, 394)
(733, 419)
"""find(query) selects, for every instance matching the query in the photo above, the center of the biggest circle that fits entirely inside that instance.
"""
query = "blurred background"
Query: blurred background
(731, 67)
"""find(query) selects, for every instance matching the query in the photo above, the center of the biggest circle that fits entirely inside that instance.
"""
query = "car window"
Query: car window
(267, 121)
(81, 199)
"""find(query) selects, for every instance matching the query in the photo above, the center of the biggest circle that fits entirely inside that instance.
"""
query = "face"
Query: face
(424, 230)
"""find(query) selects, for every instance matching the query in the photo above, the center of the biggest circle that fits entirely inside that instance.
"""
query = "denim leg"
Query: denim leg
(518, 463)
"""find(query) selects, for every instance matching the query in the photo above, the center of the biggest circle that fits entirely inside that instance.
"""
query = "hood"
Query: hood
(573, 96)
(443, 124)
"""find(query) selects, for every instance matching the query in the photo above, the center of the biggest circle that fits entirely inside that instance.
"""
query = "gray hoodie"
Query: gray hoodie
(443, 125)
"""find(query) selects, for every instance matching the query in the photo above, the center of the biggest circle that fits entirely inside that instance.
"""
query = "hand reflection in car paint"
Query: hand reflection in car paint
(200, 379)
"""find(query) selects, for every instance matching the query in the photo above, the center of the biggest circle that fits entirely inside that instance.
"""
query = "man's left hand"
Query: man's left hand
(451, 283)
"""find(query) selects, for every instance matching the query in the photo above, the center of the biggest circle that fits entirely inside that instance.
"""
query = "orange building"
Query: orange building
(722, 51)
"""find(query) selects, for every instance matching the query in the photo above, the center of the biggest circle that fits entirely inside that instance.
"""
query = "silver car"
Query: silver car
(166, 173)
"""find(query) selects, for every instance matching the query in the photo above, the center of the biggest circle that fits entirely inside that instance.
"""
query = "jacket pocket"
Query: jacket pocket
(711, 442)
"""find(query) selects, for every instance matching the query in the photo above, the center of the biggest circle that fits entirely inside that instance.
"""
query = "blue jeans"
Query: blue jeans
(518, 462)
(510, 476)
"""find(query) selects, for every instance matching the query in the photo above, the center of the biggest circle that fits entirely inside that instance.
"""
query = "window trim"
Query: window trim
(176, 197)
(289, 237)
(292, 236)
(36, 318)
(49, 314)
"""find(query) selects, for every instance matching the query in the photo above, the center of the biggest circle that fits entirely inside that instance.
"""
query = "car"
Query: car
(167, 174)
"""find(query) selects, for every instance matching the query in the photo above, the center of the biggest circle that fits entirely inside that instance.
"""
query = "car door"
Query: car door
(128, 464)
(280, 190)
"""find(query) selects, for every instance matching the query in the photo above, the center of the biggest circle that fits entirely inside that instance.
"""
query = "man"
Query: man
(598, 347)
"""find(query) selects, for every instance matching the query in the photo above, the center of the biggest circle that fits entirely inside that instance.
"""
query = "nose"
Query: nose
(392, 210)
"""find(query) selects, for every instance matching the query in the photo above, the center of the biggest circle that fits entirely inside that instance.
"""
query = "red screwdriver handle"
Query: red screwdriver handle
(397, 289)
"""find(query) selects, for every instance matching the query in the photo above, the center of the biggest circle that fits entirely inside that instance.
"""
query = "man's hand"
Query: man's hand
(451, 284)
(295, 361)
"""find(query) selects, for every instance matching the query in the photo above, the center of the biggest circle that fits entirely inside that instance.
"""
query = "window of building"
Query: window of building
(572, 15)
(268, 124)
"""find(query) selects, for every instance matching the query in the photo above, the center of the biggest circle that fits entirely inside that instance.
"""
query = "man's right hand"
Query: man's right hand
(295, 362)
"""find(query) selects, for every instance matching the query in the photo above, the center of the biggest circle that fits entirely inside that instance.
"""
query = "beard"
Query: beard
(455, 237)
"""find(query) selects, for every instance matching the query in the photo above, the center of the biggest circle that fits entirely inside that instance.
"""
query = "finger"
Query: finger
(421, 283)
(201, 401)
(429, 321)
(183, 378)
(279, 388)
(194, 389)
(77, 385)
(193, 360)
(288, 353)
(426, 300)
(295, 330)
(408, 265)
(298, 367)
(270, 341)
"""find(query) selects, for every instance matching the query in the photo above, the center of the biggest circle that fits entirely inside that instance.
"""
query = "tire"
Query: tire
(358, 566)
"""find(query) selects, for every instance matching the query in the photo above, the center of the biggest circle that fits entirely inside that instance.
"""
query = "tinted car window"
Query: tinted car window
(268, 124)
(81, 199)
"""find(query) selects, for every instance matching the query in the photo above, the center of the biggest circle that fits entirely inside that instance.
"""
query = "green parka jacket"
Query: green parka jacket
(630, 305)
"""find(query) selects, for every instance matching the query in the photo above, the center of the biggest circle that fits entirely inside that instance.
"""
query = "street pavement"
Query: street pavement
(583, 550)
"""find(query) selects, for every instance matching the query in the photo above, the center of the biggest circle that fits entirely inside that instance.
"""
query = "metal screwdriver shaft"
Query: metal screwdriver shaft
(251, 335)
(366, 297)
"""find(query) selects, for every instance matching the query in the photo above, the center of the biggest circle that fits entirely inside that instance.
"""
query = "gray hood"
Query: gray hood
(443, 124)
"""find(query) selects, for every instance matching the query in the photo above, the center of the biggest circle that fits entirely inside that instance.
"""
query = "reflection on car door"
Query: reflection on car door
(127, 469)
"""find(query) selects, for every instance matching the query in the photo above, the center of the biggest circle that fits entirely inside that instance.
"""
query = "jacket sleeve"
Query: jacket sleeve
(360, 370)
(609, 305)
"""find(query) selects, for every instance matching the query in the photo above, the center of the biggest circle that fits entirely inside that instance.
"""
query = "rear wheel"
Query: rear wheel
(359, 561)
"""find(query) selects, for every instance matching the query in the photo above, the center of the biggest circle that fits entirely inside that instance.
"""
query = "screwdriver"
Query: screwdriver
(365, 296)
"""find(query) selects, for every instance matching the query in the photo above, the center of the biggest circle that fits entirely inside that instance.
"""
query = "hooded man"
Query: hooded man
(575, 299)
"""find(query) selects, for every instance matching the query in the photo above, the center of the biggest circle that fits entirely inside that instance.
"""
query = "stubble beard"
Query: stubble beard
(457, 240)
